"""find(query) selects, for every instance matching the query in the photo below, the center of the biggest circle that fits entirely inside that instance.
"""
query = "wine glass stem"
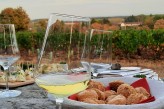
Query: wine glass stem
(7, 79)
(59, 102)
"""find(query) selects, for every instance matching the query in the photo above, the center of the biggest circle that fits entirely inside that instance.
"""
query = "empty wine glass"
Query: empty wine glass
(60, 71)
(9, 54)
(100, 50)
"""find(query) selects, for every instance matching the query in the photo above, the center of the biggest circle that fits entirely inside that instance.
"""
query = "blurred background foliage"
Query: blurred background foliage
(143, 41)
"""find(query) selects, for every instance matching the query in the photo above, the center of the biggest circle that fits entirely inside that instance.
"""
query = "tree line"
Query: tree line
(20, 18)
(143, 42)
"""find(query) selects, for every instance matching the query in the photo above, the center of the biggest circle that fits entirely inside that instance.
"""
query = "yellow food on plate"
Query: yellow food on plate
(2, 77)
(17, 75)
(12, 78)
(20, 78)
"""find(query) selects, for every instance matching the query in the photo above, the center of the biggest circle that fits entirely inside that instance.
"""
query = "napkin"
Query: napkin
(139, 83)
(143, 83)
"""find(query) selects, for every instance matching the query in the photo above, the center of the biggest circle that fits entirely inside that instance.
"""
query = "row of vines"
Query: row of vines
(147, 44)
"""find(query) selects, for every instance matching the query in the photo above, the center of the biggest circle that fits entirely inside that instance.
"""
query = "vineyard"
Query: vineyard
(135, 44)
(143, 48)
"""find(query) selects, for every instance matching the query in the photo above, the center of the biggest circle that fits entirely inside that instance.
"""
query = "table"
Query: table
(32, 97)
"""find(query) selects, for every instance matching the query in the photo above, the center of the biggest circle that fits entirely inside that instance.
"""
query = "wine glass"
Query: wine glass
(100, 50)
(9, 54)
(59, 69)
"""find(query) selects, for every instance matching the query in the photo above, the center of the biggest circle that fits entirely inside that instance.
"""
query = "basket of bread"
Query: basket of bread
(120, 93)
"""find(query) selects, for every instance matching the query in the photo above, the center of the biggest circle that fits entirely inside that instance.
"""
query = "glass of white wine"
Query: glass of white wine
(9, 54)
(63, 65)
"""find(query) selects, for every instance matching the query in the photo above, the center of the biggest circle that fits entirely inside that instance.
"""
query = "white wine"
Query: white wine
(62, 84)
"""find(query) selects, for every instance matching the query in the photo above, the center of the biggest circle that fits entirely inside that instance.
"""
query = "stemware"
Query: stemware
(100, 54)
(59, 68)
(9, 54)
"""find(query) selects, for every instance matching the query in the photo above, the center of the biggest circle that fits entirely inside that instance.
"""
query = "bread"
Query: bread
(116, 99)
(87, 94)
(125, 94)
(115, 84)
(126, 90)
(142, 91)
(109, 93)
(136, 98)
(101, 95)
(97, 85)
(93, 101)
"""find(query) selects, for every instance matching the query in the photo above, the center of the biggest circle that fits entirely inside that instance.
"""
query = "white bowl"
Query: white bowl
(156, 88)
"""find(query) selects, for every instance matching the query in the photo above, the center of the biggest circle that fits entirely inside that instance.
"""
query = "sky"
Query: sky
(37, 9)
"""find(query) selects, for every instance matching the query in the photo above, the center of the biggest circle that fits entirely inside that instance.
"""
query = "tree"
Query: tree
(58, 26)
(159, 24)
(41, 25)
(16, 16)
(149, 21)
(6, 15)
(140, 18)
(131, 19)
(97, 26)
(106, 21)
(93, 20)
(158, 17)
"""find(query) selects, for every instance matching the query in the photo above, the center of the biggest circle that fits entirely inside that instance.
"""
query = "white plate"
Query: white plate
(130, 68)
(78, 69)
(156, 88)
(100, 65)
(112, 71)
(146, 70)
(125, 72)
(120, 72)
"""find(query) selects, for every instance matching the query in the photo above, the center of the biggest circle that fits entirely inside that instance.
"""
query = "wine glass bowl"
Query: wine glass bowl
(59, 68)
(100, 54)
(9, 54)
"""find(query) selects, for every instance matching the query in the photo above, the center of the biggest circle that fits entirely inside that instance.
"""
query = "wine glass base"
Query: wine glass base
(51, 97)
(9, 93)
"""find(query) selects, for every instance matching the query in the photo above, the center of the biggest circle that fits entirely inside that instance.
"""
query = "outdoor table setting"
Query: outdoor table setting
(34, 97)
(66, 68)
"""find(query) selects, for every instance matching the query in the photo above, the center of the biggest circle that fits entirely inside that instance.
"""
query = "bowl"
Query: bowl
(156, 89)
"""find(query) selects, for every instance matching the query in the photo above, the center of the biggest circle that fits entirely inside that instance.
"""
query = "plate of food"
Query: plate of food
(120, 93)
(17, 78)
